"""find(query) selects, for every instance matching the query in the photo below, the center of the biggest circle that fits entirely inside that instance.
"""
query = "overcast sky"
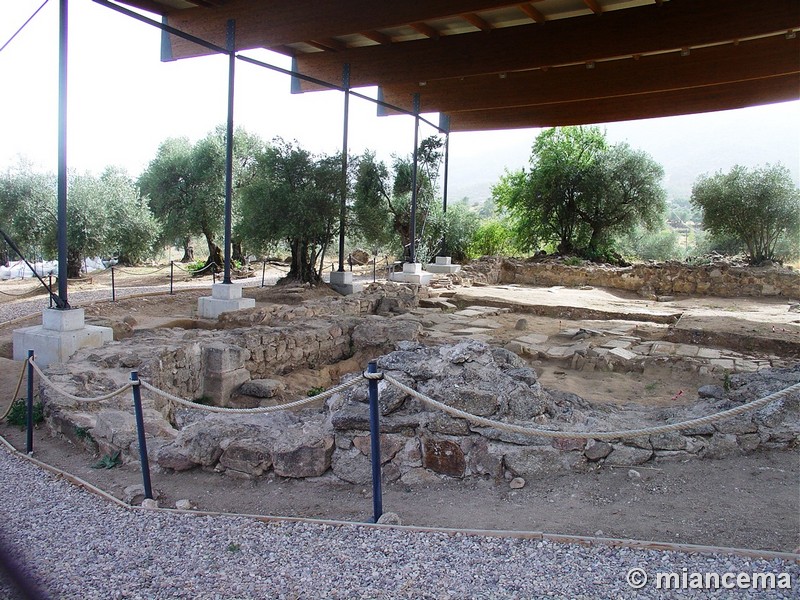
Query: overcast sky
(123, 102)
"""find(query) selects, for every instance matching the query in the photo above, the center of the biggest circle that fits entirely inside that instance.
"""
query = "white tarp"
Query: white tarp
(19, 270)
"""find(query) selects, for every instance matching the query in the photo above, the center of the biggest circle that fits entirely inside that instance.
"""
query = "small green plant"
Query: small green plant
(232, 547)
(82, 433)
(573, 261)
(196, 265)
(651, 386)
(726, 381)
(109, 461)
(18, 414)
(315, 391)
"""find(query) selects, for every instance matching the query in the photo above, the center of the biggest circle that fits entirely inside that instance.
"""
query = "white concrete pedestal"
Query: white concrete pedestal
(443, 265)
(342, 282)
(61, 334)
(412, 273)
(225, 297)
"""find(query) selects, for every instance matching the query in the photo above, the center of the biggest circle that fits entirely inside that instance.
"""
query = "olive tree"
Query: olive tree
(759, 207)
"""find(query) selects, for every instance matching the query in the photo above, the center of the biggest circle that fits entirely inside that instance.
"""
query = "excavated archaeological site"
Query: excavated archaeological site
(522, 344)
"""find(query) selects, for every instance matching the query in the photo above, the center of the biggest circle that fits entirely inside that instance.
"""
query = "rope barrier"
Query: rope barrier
(250, 411)
(119, 270)
(26, 293)
(16, 391)
(65, 393)
(598, 435)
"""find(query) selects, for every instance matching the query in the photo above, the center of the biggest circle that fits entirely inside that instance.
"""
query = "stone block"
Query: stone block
(211, 308)
(443, 456)
(220, 358)
(54, 319)
(226, 291)
(220, 386)
(623, 354)
(51, 346)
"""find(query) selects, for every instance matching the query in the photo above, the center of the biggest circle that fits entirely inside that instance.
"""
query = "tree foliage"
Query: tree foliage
(185, 185)
(105, 216)
(293, 197)
(580, 192)
(759, 207)
(383, 198)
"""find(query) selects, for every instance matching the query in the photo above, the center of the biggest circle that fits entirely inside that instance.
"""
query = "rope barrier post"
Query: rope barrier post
(171, 275)
(50, 288)
(375, 444)
(137, 408)
(113, 289)
(263, 270)
(29, 406)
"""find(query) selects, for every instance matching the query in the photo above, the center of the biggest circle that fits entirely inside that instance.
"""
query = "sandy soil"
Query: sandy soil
(748, 501)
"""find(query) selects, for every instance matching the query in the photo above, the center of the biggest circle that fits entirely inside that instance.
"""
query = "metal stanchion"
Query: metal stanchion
(29, 406)
(171, 275)
(137, 408)
(263, 270)
(50, 288)
(375, 444)
(113, 290)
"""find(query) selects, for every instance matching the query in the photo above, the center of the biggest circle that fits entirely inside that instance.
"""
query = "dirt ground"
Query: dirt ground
(750, 501)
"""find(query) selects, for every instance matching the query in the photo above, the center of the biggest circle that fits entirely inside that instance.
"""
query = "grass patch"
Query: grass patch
(109, 461)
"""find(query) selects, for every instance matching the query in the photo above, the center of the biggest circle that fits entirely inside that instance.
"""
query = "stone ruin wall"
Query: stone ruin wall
(648, 280)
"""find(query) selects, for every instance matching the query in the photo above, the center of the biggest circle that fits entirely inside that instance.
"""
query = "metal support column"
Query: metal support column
(231, 47)
(62, 153)
(412, 250)
(444, 251)
(343, 208)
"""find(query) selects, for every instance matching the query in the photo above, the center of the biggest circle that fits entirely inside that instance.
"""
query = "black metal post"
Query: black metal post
(444, 189)
(343, 205)
(263, 271)
(412, 249)
(375, 444)
(374, 267)
(171, 275)
(50, 288)
(113, 289)
(29, 406)
(137, 409)
(61, 236)
(231, 46)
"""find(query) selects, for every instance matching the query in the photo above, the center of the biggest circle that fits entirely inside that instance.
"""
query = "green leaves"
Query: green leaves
(760, 208)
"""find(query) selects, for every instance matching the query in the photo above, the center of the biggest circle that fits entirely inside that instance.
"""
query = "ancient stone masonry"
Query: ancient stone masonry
(656, 280)
(496, 383)
(233, 366)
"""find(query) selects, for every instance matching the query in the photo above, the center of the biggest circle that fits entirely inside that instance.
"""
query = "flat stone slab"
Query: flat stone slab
(532, 338)
(623, 353)
(486, 324)
(616, 343)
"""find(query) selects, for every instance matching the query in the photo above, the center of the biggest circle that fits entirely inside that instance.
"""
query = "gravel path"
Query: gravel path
(80, 546)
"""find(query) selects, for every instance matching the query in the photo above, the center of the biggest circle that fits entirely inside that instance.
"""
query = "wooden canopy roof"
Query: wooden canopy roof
(494, 64)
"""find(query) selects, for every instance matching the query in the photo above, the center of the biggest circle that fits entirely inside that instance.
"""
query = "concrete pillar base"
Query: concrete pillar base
(342, 282)
(225, 297)
(412, 273)
(443, 265)
(61, 334)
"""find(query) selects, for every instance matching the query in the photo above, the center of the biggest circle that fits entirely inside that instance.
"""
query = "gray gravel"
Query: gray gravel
(79, 546)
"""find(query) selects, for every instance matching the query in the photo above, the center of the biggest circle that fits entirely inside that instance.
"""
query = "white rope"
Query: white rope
(63, 392)
(250, 411)
(598, 435)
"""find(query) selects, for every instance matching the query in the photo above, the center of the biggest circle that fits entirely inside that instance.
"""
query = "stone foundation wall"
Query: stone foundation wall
(664, 279)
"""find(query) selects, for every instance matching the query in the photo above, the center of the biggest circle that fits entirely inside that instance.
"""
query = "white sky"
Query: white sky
(123, 102)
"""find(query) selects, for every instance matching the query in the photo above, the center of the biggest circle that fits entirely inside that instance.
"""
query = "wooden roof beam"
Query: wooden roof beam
(532, 12)
(679, 102)
(752, 60)
(594, 5)
(377, 36)
(425, 30)
(676, 24)
(269, 23)
(477, 21)
(328, 45)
